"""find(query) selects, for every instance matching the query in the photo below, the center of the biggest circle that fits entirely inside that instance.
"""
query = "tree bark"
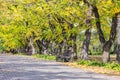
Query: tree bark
(38, 42)
(75, 50)
(98, 25)
(85, 46)
(108, 44)
(32, 46)
(118, 53)
(118, 40)
(43, 46)
(59, 51)
(106, 52)
(86, 42)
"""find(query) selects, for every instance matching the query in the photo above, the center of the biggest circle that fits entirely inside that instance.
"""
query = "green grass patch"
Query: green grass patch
(20, 54)
(112, 66)
(45, 56)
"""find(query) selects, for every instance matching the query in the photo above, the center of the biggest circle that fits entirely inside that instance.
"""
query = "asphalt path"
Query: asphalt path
(27, 68)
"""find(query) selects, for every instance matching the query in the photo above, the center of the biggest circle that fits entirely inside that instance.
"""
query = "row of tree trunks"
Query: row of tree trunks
(63, 51)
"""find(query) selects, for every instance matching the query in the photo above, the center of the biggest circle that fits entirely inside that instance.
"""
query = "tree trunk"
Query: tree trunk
(75, 51)
(118, 54)
(86, 42)
(118, 40)
(68, 53)
(59, 52)
(32, 46)
(85, 46)
(98, 25)
(108, 44)
(52, 48)
(73, 46)
(43, 46)
(38, 42)
(106, 52)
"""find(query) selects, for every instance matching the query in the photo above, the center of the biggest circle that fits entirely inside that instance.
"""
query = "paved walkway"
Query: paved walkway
(26, 68)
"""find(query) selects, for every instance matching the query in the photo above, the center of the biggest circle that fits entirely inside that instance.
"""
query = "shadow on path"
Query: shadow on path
(25, 68)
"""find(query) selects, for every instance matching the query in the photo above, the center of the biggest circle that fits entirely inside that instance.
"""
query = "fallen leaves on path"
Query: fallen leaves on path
(93, 68)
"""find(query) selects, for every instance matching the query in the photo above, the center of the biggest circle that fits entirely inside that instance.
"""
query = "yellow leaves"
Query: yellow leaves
(105, 7)
(10, 43)
(82, 3)
(11, 36)
(33, 31)
(39, 9)
(29, 32)
(109, 2)
(4, 28)
(28, 1)
(67, 8)
(115, 10)
(64, 13)
(71, 9)
(18, 17)
(65, 26)
(106, 29)
(108, 8)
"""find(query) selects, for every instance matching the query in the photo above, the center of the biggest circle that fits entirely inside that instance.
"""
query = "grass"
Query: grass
(39, 56)
(112, 65)
(44, 56)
